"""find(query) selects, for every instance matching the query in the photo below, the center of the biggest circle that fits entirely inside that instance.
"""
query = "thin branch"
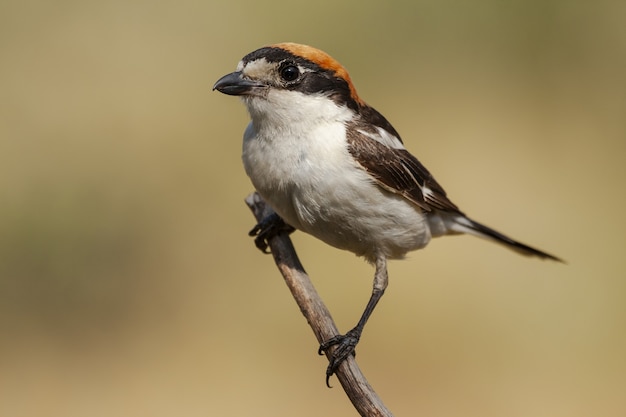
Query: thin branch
(361, 394)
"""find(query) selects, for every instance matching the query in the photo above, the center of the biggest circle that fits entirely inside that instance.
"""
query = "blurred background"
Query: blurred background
(129, 286)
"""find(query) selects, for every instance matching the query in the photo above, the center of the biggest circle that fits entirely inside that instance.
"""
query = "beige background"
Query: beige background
(128, 286)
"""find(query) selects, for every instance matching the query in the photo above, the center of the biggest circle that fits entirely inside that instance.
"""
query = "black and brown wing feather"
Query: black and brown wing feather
(395, 169)
(399, 172)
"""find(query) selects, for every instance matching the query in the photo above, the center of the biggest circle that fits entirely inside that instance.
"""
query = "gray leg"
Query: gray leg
(346, 343)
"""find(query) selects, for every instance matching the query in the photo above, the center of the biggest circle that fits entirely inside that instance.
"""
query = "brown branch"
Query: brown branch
(361, 394)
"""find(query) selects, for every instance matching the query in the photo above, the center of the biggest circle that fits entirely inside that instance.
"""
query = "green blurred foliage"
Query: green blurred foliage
(128, 285)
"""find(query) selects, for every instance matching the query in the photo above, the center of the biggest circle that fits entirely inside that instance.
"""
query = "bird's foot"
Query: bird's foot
(345, 345)
(267, 228)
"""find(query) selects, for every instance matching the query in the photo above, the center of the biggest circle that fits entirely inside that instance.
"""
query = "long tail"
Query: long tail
(466, 225)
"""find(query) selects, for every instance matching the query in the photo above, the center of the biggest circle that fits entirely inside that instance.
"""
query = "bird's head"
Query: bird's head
(290, 80)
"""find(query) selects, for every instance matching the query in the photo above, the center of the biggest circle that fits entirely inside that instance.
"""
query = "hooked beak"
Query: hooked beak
(234, 84)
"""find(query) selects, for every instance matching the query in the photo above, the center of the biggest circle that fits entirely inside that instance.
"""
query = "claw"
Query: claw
(266, 229)
(345, 345)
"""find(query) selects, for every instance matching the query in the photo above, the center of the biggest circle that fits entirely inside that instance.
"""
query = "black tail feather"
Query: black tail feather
(470, 226)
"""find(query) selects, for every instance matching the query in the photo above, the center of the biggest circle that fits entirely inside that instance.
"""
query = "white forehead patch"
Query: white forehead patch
(257, 69)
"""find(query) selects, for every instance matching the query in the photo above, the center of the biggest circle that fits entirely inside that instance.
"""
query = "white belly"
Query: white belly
(317, 187)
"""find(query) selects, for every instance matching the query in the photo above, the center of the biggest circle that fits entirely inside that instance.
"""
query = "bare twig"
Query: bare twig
(361, 394)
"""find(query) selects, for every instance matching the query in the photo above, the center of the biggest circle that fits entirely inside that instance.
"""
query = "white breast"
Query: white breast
(305, 172)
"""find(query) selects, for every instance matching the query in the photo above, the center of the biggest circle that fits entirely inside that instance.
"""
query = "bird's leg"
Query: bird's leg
(345, 344)
(267, 228)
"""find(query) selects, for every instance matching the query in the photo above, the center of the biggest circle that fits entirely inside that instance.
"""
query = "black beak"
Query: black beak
(234, 84)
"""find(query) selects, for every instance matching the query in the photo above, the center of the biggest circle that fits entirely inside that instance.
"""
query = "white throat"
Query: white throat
(294, 112)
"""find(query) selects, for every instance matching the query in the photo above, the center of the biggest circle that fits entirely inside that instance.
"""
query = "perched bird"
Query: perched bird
(334, 167)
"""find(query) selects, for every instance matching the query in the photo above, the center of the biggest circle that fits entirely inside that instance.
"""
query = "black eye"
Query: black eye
(289, 73)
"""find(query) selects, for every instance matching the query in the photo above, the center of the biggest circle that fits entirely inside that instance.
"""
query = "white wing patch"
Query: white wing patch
(383, 137)
(426, 192)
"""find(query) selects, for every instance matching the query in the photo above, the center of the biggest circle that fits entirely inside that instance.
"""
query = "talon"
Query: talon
(330, 342)
(345, 346)
(266, 229)
(255, 230)
(261, 243)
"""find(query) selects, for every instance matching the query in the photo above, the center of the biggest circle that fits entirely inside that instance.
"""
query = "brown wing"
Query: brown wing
(395, 169)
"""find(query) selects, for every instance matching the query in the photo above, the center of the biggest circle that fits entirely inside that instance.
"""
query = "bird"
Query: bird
(332, 166)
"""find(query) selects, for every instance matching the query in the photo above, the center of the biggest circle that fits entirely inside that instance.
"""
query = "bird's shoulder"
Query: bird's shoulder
(377, 147)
